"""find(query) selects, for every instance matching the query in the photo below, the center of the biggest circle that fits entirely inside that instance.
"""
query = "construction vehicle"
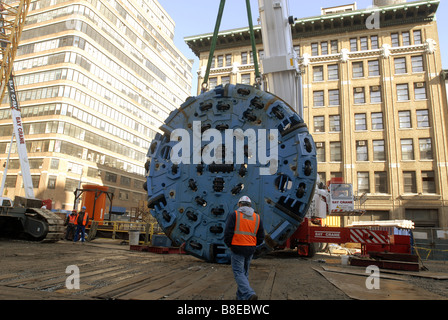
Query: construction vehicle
(336, 198)
(27, 219)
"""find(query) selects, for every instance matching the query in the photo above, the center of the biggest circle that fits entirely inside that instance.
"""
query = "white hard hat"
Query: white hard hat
(245, 199)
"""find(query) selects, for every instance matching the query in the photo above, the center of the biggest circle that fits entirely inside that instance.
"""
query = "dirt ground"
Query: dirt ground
(110, 271)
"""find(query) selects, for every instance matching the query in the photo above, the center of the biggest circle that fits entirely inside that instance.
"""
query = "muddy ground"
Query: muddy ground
(110, 271)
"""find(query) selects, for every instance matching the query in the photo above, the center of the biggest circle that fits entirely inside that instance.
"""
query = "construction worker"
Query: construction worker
(82, 218)
(70, 223)
(243, 232)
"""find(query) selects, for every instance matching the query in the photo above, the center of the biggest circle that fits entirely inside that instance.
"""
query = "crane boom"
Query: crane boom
(12, 20)
(20, 139)
(280, 63)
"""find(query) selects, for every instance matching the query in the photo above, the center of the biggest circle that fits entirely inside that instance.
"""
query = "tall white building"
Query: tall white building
(96, 79)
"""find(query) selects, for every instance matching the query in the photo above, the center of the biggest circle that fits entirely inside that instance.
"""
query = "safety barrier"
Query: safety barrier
(431, 243)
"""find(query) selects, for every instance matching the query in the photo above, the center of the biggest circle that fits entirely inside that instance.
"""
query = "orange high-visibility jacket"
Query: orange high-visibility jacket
(84, 220)
(72, 218)
(246, 229)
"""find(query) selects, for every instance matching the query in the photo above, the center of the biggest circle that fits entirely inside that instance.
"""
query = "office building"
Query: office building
(96, 79)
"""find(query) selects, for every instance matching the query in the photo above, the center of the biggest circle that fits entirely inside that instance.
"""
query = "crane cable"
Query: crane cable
(215, 39)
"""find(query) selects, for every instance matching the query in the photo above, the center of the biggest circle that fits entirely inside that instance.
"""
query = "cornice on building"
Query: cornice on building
(392, 15)
(445, 74)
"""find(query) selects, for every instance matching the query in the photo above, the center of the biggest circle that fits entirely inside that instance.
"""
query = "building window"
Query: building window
(361, 151)
(125, 181)
(315, 49)
(212, 83)
(334, 46)
(425, 146)
(54, 164)
(417, 64)
(244, 58)
(358, 69)
(320, 151)
(319, 124)
(93, 172)
(403, 92)
(333, 96)
(225, 80)
(374, 68)
(375, 94)
(353, 44)
(374, 42)
(333, 72)
(228, 60)
(324, 48)
(123, 195)
(363, 182)
(417, 37)
(400, 65)
(395, 40)
(420, 91)
(110, 177)
(364, 43)
(423, 218)
(360, 121)
(10, 181)
(51, 182)
(428, 182)
(404, 119)
(409, 182)
(71, 184)
(381, 182)
(359, 95)
(422, 118)
(220, 61)
(335, 123)
(318, 98)
(377, 121)
(318, 73)
(335, 151)
(405, 38)
(407, 149)
(379, 151)
(245, 78)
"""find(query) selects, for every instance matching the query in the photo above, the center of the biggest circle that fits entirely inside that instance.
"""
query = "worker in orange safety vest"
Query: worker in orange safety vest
(70, 222)
(243, 233)
(81, 222)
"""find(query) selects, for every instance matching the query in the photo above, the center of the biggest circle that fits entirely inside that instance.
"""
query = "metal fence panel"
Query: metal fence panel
(431, 243)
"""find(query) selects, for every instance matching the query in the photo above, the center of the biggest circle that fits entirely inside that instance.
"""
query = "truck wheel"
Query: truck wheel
(307, 250)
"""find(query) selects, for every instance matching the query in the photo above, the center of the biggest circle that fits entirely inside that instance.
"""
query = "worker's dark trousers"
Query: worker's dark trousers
(70, 231)
(240, 267)
(79, 229)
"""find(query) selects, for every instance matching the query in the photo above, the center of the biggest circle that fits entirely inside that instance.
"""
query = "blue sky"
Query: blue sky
(193, 17)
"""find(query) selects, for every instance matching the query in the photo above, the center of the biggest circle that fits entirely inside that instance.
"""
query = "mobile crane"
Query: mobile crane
(26, 219)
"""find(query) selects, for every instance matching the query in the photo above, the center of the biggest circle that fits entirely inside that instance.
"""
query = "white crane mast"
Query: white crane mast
(20, 140)
(280, 62)
(13, 99)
